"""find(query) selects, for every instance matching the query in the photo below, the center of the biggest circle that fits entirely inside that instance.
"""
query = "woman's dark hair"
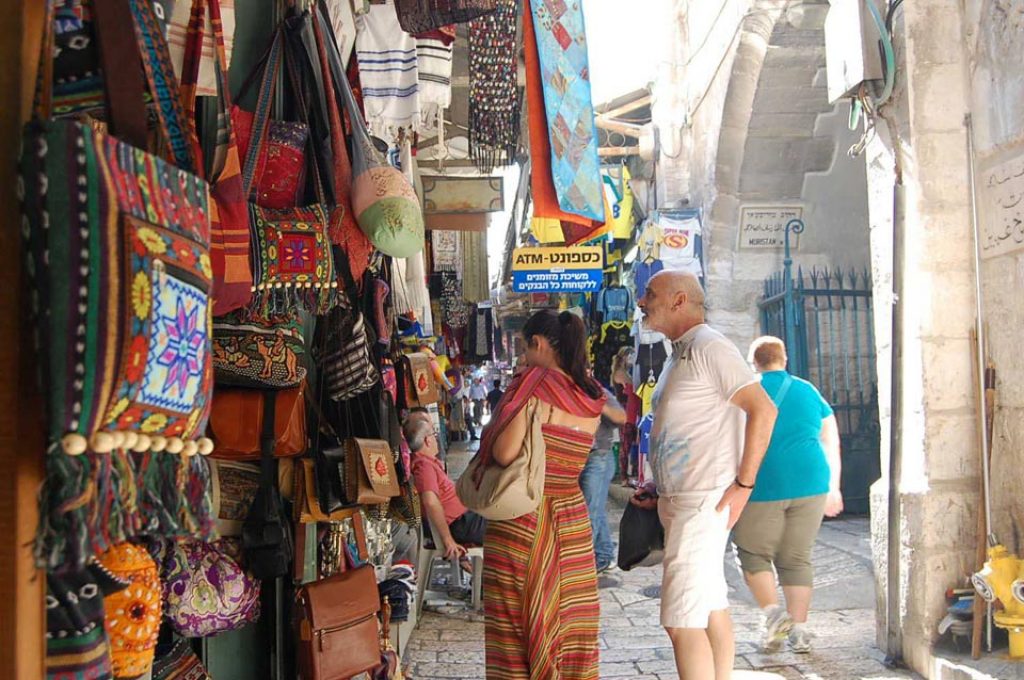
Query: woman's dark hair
(568, 338)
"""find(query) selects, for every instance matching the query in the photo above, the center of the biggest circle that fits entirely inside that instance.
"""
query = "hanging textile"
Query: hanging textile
(476, 286)
(434, 63)
(343, 22)
(480, 339)
(446, 250)
(453, 307)
(177, 36)
(387, 72)
(576, 226)
(493, 92)
(620, 198)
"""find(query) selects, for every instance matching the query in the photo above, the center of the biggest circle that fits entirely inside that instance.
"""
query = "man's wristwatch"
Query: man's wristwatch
(742, 485)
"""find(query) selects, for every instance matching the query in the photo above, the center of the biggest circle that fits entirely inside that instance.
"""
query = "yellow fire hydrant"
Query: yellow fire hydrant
(1002, 578)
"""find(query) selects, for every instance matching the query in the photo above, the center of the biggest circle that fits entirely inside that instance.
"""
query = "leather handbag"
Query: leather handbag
(418, 378)
(308, 504)
(370, 476)
(345, 356)
(338, 627)
(237, 421)
(502, 493)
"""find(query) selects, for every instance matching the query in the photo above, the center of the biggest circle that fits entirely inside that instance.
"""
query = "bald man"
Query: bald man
(712, 424)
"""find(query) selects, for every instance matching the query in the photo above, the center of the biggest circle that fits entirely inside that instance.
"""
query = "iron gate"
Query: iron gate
(825, 318)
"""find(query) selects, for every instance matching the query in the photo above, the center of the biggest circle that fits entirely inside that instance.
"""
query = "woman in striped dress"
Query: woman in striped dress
(540, 586)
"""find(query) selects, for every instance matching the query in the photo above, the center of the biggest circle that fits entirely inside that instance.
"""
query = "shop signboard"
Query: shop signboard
(1001, 202)
(576, 269)
(764, 226)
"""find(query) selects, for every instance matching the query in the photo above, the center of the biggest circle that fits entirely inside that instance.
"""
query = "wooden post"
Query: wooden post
(22, 621)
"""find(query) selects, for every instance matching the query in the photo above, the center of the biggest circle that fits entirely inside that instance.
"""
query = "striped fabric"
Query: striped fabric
(434, 59)
(540, 585)
(388, 72)
(177, 41)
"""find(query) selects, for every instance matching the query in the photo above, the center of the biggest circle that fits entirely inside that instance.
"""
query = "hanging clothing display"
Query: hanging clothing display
(388, 72)
(614, 303)
(434, 65)
(642, 273)
(493, 90)
(344, 24)
(613, 336)
(651, 238)
(678, 243)
(445, 245)
(620, 198)
(476, 286)
(480, 339)
(576, 228)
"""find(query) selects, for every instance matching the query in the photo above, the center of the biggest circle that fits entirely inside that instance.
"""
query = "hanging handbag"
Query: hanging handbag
(337, 625)
(118, 244)
(418, 380)
(423, 16)
(180, 663)
(293, 264)
(345, 354)
(501, 493)
(267, 531)
(229, 217)
(281, 166)
(250, 350)
(309, 504)
(384, 202)
(240, 416)
(641, 537)
(233, 487)
(205, 590)
(370, 477)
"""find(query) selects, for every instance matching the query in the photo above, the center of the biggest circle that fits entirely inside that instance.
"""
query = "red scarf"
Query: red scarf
(553, 387)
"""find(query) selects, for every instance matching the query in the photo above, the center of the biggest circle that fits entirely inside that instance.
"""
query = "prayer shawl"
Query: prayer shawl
(552, 387)
(177, 35)
(434, 60)
(409, 275)
(493, 95)
(565, 178)
(388, 73)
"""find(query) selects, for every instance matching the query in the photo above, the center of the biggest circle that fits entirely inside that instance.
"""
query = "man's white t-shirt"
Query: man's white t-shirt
(697, 437)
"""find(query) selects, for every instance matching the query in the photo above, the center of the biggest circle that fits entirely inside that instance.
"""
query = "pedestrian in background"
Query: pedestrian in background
(478, 393)
(596, 478)
(494, 396)
(712, 424)
(797, 485)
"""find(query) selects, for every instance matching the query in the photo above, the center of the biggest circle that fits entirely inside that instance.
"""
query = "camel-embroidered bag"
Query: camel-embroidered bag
(119, 251)
(254, 351)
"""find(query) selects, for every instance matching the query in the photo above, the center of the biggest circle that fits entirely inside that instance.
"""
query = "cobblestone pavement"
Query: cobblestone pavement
(449, 644)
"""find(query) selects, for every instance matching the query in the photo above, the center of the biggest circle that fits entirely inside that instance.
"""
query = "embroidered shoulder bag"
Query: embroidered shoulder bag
(119, 250)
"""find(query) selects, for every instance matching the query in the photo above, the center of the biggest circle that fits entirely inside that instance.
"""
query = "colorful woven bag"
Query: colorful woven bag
(229, 217)
(133, 614)
(119, 250)
(293, 265)
(180, 663)
(253, 351)
(205, 590)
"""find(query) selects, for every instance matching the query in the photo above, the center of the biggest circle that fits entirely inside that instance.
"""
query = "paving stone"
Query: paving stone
(610, 670)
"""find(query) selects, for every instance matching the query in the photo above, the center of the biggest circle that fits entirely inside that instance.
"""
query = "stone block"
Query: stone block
(952, 444)
(791, 100)
(774, 186)
(938, 98)
(947, 370)
(935, 35)
(942, 177)
(943, 303)
(774, 125)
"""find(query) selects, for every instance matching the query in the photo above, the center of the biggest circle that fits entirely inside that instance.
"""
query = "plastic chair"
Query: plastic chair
(429, 552)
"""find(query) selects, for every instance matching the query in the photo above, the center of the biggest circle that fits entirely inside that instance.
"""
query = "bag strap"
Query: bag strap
(122, 76)
(267, 440)
(780, 394)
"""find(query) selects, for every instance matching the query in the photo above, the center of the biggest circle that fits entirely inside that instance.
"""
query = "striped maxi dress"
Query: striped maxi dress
(540, 584)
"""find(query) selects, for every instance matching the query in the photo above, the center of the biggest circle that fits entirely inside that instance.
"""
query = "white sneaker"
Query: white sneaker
(777, 626)
(800, 639)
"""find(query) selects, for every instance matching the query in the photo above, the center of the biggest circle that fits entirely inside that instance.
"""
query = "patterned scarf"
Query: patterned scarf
(476, 282)
(434, 60)
(177, 39)
(446, 250)
(493, 95)
(387, 72)
(552, 387)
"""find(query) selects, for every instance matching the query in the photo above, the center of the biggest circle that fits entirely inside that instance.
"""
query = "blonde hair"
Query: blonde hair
(766, 351)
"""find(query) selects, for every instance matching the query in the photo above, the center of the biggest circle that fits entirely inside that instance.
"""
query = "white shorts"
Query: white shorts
(696, 534)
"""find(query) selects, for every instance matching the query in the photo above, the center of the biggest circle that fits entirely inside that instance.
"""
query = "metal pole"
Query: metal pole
(795, 226)
(980, 331)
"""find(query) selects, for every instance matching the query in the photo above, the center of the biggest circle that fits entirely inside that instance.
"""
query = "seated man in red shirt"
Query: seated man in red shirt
(451, 524)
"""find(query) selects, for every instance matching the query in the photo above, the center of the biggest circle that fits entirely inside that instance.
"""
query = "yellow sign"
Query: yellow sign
(557, 259)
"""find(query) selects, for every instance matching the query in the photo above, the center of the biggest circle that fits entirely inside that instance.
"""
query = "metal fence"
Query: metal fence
(825, 318)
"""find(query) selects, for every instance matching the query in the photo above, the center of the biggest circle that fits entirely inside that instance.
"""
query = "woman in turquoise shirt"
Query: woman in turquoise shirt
(797, 485)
